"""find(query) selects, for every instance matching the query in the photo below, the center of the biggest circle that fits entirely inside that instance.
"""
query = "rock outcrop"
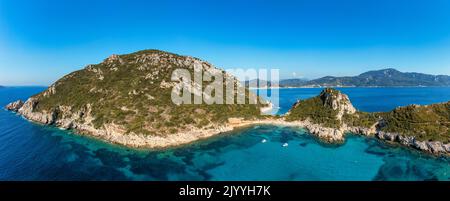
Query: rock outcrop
(324, 114)
(337, 101)
(14, 106)
(325, 133)
(434, 147)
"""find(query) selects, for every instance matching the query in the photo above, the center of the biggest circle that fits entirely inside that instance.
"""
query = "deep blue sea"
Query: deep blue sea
(30, 151)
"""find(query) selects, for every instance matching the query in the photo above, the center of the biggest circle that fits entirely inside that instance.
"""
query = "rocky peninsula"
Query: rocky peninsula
(126, 100)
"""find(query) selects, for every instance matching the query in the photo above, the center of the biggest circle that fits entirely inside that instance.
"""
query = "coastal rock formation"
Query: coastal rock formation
(325, 112)
(367, 131)
(337, 101)
(14, 106)
(324, 133)
(331, 115)
(435, 147)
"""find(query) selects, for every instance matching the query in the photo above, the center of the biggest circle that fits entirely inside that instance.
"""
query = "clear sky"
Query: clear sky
(42, 40)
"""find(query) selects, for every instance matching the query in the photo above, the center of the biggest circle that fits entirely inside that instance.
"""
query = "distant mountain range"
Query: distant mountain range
(383, 78)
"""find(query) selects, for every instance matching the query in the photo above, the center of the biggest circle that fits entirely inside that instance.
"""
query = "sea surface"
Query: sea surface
(29, 151)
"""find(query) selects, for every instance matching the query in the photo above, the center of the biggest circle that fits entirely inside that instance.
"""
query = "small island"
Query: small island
(126, 99)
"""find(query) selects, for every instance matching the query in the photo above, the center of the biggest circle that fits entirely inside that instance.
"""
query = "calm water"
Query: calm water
(32, 152)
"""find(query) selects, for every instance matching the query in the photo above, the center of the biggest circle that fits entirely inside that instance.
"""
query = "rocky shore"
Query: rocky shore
(115, 134)
(109, 132)
(14, 106)
(337, 135)
(434, 147)
(127, 99)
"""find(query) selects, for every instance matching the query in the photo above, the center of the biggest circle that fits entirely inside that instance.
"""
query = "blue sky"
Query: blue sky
(42, 40)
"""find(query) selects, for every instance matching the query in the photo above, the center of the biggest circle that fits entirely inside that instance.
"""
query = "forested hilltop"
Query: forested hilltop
(132, 94)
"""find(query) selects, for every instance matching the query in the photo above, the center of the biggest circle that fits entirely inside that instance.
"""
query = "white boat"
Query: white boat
(285, 144)
(263, 140)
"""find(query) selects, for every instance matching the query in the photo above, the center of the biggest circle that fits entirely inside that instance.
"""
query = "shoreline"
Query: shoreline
(112, 134)
(117, 134)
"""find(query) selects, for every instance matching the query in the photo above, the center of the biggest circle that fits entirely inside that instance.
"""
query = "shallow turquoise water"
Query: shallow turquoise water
(33, 152)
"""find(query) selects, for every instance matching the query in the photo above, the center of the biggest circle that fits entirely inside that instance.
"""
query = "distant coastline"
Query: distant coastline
(322, 87)
(377, 78)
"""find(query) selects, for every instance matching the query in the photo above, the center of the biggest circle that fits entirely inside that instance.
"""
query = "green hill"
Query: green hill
(424, 122)
(333, 109)
(330, 108)
(133, 92)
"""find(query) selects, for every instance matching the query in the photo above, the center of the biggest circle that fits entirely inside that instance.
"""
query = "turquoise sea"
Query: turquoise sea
(30, 151)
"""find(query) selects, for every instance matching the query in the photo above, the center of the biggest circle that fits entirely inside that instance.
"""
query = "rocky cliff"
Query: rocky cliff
(425, 127)
(327, 114)
(14, 106)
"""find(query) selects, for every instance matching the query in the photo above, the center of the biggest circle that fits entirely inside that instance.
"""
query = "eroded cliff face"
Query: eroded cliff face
(60, 116)
(81, 121)
(337, 101)
(337, 104)
(14, 106)
(434, 147)
(324, 115)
